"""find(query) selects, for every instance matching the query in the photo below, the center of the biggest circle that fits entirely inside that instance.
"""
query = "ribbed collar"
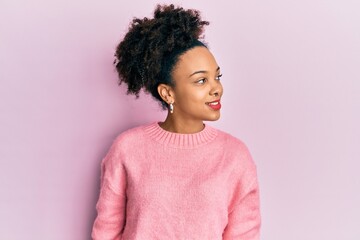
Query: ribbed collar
(180, 140)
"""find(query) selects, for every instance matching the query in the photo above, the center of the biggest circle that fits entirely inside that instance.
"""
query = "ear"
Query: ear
(166, 93)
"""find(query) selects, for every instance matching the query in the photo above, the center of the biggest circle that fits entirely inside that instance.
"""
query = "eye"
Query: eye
(201, 81)
(218, 77)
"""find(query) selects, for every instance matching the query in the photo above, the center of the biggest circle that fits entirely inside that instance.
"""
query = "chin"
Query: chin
(213, 118)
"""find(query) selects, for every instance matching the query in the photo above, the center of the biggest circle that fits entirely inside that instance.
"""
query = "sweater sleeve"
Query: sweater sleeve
(244, 220)
(111, 205)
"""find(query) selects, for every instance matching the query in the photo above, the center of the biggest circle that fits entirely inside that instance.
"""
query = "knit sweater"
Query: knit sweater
(157, 184)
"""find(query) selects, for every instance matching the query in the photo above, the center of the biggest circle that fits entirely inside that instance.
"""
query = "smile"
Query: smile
(215, 105)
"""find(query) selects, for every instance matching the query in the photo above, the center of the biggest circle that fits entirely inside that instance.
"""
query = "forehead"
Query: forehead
(195, 59)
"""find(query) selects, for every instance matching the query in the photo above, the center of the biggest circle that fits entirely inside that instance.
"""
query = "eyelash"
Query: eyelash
(199, 81)
(204, 79)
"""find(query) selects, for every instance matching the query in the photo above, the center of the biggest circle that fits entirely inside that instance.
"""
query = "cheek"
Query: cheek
(192, 98)
(196, 97)
(185, 94)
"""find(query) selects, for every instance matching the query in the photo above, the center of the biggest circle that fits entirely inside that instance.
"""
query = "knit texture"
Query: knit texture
(156, 184)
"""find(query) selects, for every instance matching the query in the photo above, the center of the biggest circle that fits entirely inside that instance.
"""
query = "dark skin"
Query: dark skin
(197, 83)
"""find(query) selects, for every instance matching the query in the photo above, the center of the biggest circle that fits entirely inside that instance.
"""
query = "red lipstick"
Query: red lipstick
(215, 105)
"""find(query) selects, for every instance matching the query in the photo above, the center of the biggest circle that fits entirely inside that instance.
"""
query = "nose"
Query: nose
(216, 89)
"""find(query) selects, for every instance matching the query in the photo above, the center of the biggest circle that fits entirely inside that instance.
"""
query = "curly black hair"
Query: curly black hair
(149, 51)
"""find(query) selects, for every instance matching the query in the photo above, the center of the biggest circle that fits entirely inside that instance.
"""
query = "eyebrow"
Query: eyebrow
(202, 71)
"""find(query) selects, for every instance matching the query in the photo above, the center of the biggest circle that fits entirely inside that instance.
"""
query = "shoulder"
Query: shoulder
(238, 156)
(235, 149)
(130, 135)
(231, 142)
(129, 139)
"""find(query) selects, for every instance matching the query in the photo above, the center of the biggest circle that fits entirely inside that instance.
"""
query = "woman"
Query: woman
(181, 178)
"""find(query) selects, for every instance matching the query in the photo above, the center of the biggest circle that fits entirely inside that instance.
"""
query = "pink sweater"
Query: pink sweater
(157, 184)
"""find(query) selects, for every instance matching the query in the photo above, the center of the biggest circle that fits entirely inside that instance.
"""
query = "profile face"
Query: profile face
(197, 88)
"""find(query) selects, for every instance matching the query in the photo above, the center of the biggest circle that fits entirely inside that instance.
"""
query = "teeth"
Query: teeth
(214, 103)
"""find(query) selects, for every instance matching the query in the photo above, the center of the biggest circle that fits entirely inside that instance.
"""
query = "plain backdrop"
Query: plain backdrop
(291, 93)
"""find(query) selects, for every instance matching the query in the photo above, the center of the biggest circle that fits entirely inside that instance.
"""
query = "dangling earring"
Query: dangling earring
(171, 106)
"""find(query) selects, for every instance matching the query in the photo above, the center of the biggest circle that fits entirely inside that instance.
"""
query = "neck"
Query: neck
(177, 125)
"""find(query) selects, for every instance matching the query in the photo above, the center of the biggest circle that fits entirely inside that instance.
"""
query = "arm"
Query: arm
(111, 204)
(244, 219)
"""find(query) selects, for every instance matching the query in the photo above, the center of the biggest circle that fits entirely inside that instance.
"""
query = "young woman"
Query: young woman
(180, 178)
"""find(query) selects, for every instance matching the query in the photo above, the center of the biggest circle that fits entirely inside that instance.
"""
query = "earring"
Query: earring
(171, 106)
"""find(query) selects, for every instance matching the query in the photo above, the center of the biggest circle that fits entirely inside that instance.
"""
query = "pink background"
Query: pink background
(291, 80)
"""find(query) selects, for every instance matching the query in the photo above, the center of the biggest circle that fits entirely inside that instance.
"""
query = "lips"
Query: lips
(215, 105)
